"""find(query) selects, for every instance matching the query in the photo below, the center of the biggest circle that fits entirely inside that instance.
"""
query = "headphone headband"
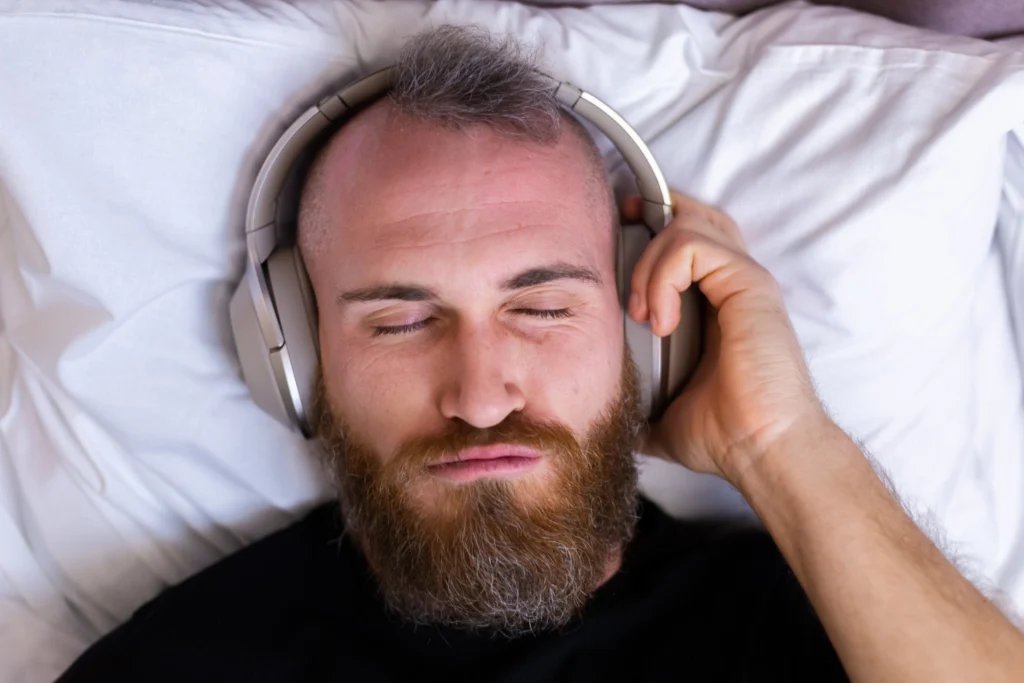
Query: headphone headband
(352, 98)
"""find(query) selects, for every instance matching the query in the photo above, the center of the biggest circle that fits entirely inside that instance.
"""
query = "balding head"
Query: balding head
(456, 79)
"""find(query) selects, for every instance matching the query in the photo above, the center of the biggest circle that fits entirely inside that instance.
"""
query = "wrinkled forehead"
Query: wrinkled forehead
(387, 181)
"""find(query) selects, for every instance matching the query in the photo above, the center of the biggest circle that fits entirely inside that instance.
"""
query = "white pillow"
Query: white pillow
(861, 158)
(1010, 230)
(1010, 241)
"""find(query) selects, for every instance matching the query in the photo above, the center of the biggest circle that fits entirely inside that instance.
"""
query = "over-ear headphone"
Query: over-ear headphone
(273, 310)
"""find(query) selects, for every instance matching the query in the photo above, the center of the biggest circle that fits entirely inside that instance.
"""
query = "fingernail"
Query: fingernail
(634, 303)
(654, 322)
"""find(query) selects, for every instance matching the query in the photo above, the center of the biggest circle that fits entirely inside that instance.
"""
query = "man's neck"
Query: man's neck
(612, 567)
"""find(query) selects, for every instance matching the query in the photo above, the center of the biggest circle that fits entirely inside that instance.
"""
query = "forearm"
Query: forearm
(894, 608)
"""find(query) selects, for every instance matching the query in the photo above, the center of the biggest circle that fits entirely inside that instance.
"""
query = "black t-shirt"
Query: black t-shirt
(688, 605)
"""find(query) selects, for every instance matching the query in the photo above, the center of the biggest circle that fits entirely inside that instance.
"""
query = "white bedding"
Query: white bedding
(862, 159)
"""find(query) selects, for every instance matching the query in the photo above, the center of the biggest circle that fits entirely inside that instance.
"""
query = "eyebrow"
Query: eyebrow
(557, 271)
(527, 278)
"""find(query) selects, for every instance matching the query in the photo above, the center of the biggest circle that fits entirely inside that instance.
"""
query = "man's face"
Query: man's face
(473, 372)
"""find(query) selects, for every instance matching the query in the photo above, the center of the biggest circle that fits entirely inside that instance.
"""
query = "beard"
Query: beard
(502, 555)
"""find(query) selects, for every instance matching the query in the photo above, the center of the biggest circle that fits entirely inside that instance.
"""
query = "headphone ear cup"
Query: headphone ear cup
(685, 346)
(258, 362)
(295, 307)
(633, 240)
(664, 364)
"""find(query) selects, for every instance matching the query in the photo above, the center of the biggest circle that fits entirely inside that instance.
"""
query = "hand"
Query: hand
(892, 605)
(751, 385)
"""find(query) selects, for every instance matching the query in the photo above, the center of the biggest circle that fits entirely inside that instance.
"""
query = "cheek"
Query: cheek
(382, 396)
(573, 376)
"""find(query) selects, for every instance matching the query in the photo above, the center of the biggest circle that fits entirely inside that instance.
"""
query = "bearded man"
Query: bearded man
(478, 414)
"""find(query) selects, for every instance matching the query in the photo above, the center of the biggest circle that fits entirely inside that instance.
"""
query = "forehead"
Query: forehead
(398, 192)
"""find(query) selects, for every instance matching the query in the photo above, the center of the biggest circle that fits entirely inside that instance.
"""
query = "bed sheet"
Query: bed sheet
(863, 160)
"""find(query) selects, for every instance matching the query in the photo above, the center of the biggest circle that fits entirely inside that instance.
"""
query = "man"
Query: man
(478, 413)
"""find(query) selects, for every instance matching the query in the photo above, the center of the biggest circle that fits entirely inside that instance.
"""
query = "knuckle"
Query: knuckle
(684, 239)
(766, 281)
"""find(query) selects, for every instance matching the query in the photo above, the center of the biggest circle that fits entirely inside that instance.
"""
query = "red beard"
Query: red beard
(494, 554)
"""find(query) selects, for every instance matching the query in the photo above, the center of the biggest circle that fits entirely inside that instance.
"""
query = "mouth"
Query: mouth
(497, 460)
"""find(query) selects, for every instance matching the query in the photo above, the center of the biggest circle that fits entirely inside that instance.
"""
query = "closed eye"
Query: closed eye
(550, 313)
(401, 329)
(545, 312)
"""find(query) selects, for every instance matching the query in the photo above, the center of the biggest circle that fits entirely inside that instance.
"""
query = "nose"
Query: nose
(481, 384)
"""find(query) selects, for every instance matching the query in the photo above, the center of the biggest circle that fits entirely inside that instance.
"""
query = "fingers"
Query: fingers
(663, 271)
(675, 260)
(632, 209)
(701, 244)
(706, 220)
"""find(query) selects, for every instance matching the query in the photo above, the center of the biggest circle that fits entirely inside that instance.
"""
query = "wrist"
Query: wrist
(806, 484)
(771, 455)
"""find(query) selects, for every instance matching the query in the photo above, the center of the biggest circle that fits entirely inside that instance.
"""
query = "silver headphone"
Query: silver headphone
(273, 310)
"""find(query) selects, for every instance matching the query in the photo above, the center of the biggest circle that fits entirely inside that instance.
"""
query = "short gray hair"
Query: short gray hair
(461, 76)
(458, 76)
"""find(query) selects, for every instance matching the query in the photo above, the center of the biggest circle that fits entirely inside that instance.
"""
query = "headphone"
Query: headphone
(273, 310)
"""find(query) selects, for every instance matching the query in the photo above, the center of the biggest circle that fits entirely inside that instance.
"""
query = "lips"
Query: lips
(490, 452)
(481, 461)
